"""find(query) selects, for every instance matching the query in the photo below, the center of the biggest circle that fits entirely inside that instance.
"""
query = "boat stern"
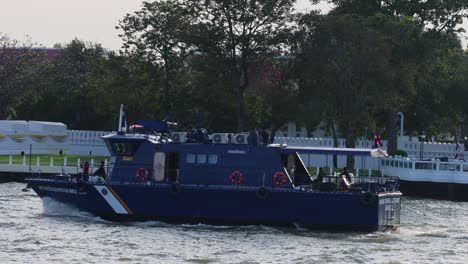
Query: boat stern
(389, 210)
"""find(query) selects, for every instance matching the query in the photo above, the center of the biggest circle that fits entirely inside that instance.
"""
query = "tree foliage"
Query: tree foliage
(17, 70)
(238, 64)
(157, 33)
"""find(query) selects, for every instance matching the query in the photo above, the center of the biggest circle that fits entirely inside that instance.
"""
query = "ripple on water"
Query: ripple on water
(380, 238)
(200, 260)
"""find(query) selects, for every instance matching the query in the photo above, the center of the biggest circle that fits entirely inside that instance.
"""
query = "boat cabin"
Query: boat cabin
(153, 159)
(148, 158)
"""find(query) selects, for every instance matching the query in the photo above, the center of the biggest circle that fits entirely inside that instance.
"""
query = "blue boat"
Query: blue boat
(152, 178)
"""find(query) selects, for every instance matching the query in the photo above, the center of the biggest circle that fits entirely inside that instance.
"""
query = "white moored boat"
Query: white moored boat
(429, 178)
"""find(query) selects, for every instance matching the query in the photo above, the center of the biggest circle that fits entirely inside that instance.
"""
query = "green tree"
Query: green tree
(61, 83)
(123, 80)
(18, 63)
(242, 33)
(440, 84)
(436, 15)
(205, 99)
(157, 33)
(272, 96)
(350, 68)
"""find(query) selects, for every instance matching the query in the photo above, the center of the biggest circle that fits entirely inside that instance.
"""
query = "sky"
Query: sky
(47, 22)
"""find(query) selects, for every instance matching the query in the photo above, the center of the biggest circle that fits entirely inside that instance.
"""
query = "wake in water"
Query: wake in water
(54, 208)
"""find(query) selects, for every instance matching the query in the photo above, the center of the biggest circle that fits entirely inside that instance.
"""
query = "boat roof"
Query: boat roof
(335, 151)
(281, 148)
(128, 136)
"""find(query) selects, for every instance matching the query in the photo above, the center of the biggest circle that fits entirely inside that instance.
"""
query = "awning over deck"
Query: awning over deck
(334, 151)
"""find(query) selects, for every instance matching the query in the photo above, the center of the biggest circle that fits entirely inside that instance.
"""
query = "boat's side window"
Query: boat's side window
(213, 159)
(123, 148)
(201, 158)
(190, 158)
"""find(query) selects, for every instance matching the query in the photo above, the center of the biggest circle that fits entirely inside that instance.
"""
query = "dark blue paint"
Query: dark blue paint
(203, 192)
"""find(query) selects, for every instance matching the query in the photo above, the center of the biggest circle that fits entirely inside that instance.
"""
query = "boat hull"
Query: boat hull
(227, 205)
(435, 190)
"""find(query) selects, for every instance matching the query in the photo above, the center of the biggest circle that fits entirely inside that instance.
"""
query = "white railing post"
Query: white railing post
(357, 172)
(317, 172)
(78, 162)
(92, 165)
(437, 164)
(10, 160)
(370, 172)
(38, 161)
(65, 161)
(413, 165)
(24, 160)
(106, 168)
(331, 171)
(51, 161)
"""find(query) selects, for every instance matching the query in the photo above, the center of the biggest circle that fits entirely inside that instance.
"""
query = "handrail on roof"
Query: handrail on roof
(335, 151)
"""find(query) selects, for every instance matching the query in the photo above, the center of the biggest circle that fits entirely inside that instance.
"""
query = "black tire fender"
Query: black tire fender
(263, 193)
(175, 188)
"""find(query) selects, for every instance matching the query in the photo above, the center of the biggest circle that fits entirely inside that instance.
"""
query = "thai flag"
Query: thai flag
(377, 142)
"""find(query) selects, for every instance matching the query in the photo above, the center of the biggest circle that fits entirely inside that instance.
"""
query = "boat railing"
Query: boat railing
(359, 183)
(430, 165)
(377, 184)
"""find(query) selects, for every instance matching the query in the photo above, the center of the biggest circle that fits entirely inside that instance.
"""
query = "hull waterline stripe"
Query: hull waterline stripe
(120, 200)
(110, 198)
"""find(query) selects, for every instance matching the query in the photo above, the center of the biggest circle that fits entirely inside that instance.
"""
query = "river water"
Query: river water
(32, 231)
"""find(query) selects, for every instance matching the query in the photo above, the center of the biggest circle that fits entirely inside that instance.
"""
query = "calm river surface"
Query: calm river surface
(35, 232)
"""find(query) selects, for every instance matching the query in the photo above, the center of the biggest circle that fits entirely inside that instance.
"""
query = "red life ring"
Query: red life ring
(142, 174)
(280, 178)
(236, 177)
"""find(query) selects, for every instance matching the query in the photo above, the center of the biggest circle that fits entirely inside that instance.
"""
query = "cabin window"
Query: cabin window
(123, 148)
(212, 159)
(173, 164)
(201, 158)
(190, 158)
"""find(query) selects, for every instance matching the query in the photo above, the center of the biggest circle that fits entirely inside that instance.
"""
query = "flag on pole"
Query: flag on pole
(377, 143)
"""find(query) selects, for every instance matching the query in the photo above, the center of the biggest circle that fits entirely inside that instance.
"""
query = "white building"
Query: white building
(18, 136)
